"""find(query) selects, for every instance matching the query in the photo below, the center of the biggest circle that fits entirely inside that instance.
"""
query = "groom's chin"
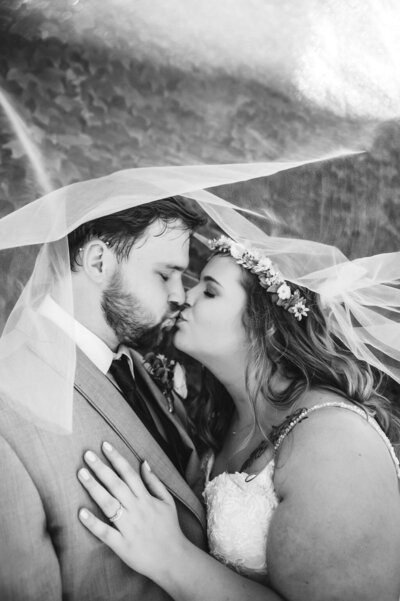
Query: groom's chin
(147, 340)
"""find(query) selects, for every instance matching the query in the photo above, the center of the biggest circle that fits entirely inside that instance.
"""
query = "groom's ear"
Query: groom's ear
(98, 261)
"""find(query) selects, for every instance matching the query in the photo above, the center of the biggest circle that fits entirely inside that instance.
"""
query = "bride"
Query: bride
(301, 476)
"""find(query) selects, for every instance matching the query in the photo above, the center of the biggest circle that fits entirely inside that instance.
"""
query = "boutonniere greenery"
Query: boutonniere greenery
(168, 375)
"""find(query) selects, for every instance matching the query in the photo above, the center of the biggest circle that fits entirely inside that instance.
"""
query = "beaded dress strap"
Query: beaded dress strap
(280, 433)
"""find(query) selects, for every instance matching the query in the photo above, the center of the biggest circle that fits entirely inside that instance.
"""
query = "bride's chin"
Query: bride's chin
(184, 343)
(179, 341)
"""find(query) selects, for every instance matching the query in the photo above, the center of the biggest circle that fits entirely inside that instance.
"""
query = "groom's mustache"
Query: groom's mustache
(176, 309)
(169, 320)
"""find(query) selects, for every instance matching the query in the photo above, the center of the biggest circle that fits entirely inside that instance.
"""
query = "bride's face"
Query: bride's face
(211, 327)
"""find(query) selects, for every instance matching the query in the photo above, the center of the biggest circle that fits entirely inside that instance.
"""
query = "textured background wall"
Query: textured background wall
(107, 86)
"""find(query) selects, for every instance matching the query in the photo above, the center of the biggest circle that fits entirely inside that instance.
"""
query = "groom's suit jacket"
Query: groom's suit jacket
(45, 552)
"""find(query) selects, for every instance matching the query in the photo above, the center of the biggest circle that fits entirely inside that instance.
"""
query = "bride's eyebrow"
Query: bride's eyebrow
(208, 278)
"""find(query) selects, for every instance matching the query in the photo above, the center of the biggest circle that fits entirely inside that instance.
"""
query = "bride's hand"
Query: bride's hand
(147, 535)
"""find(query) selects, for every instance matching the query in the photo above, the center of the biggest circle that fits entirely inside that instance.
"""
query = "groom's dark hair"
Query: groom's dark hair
(120, 230)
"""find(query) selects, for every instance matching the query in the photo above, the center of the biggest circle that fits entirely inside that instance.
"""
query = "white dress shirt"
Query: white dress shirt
(94, 348)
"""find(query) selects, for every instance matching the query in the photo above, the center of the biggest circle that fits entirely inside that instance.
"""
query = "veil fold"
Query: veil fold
(38, 360)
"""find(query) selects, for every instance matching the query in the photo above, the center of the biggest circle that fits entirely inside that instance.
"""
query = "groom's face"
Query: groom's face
(143, 295)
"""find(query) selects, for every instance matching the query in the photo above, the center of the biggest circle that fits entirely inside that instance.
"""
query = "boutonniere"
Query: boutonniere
(168, 375)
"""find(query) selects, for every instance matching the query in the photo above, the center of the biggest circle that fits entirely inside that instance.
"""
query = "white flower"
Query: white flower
(180, 381)
(262, 265)
(284, 292)
(300, 310)
(276, 276)
(237, 250)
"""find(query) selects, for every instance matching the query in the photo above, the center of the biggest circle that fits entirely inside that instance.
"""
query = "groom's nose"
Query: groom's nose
(176, 307)
(176, 296)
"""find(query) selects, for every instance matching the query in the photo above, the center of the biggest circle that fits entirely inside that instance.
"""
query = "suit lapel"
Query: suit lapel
(105, 398)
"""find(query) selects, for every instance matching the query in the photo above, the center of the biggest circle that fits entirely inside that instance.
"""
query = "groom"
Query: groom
(126, 271)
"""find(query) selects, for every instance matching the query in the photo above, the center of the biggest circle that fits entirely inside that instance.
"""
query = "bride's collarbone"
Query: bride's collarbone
(258, 463)
(232, 458)
(227, 463)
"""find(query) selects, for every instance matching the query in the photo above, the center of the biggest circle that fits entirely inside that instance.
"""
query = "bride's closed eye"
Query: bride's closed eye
(210, 291)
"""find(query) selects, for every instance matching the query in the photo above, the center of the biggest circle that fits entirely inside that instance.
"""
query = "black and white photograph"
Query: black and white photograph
(200, 300)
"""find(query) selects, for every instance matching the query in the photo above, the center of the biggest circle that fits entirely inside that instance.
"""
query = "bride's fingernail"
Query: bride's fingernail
(83, 514)
(84, 474)
(107, 447)
(146, 466)
(90, 456)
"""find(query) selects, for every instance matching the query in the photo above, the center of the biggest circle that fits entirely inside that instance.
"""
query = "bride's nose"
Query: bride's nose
(189, 297)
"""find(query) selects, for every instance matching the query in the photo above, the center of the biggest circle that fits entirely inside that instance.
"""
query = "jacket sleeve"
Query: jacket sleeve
(29, 569)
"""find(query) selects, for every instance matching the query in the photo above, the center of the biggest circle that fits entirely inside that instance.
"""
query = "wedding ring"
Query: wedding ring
(117, 514)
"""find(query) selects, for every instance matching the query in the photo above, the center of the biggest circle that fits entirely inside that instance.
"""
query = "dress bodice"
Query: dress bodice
(240, 506)
(239, 511)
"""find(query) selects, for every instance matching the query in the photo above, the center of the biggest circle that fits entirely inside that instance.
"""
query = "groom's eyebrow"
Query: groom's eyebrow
(172, 267)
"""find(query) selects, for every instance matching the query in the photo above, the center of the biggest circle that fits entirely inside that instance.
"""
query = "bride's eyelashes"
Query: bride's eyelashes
(209, 291)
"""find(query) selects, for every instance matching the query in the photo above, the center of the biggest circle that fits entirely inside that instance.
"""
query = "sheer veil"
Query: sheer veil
(38, 360)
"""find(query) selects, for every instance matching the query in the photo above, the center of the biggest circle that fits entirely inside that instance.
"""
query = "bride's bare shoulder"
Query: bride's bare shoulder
(339, 494)
(333, 434)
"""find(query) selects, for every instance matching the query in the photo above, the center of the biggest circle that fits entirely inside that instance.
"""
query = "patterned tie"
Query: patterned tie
(135, 392)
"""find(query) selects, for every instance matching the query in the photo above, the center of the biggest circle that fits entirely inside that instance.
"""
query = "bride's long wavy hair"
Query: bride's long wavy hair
(306, 353)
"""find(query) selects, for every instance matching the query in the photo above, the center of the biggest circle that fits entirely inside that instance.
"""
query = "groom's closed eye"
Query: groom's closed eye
(169, 271)
(169, 267)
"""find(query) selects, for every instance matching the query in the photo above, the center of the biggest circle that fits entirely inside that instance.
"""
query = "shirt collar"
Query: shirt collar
(90, 344)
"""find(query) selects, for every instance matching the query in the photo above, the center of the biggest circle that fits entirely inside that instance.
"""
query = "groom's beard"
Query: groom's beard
(130, 321)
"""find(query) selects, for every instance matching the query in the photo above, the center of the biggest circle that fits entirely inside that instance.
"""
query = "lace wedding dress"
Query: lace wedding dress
(240, 506)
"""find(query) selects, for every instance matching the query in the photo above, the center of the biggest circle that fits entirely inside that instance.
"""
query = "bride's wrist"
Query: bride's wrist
(169, 573)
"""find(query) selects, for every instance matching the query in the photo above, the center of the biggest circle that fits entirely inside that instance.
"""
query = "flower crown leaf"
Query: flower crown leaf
(269, 278)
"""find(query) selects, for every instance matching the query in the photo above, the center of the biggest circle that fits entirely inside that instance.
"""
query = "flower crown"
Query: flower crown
(268, 276)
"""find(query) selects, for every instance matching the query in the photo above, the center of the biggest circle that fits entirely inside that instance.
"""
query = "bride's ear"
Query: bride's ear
(98, 261)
